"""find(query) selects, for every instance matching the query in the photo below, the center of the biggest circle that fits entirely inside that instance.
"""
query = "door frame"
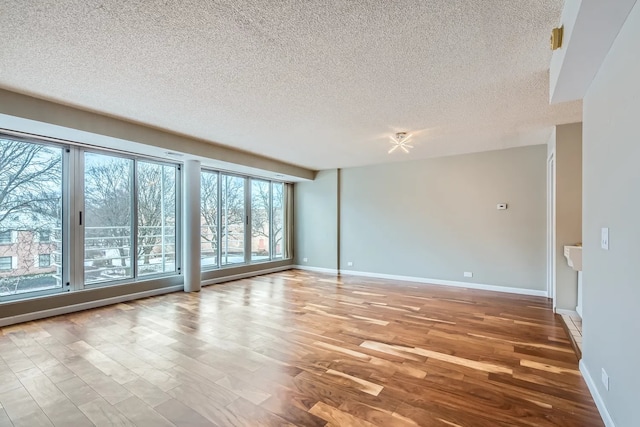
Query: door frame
(551, 228)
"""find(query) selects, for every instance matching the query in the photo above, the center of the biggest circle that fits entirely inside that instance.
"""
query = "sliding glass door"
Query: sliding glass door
(278, 220)
(209, 222)
(260, 220)
(233, 219)
(156, 218)
(108, 218)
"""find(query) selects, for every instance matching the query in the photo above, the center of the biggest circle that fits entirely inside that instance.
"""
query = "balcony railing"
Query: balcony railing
(108, 256)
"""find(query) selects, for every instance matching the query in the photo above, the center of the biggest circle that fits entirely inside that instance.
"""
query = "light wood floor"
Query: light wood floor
(298, 348)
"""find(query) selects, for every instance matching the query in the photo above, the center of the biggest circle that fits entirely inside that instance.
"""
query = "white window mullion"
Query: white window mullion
(272, 236)
(219, 214)
(247, 223)
(73, 232)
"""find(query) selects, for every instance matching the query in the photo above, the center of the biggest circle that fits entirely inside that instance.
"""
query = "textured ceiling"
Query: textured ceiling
(317, 83)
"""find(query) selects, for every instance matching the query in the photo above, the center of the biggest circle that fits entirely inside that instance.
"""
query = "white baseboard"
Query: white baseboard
(316, 269)
(602, 408)
(28, 317)
(245, 275)
(567, 312)
(469, 285)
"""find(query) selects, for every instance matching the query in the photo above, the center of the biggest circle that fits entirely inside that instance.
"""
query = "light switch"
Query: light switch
(604, 240)
(501, 206)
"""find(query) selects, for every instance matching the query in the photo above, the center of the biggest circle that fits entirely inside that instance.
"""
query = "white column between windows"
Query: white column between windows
(191, 225)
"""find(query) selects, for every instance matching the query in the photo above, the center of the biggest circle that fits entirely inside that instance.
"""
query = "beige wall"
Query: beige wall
(568, 206)
(611, 178)
(21, 106)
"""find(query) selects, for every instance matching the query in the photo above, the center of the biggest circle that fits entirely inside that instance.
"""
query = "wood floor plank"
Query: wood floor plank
(100, 412)
(337, 417)
(298, 348)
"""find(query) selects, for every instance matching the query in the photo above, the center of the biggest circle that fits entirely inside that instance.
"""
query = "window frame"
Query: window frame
(270, 219)
(218, 230)
(66, 166)
(70, 237)
(248, 220)
(275, 256)
(245, 217)
(135, 278)
(178, 219)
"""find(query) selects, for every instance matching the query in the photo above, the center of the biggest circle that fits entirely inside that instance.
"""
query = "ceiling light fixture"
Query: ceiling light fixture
(401, 139)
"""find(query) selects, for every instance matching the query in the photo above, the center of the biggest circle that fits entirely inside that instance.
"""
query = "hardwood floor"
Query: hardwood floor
(298, 348)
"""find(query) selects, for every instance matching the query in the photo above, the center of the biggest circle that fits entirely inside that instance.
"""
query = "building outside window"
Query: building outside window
(5, 263)
(5, 237)
(44, 260)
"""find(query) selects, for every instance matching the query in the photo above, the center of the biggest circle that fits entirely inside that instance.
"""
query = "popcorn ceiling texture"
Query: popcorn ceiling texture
(317, 83)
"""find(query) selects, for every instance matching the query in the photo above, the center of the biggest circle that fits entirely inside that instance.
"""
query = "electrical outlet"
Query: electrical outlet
(305, 259)
(468, 274)
(349, 263)
(604, 241)
(605, 379)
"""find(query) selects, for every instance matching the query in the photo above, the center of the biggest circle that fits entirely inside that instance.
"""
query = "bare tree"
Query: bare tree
(277, 210)
(108, 189)
(30, 181)
(260, 206)
(209, 208)
(30, 206)
(263, 206)
(156, 208)
(232, 211)
(108, 202)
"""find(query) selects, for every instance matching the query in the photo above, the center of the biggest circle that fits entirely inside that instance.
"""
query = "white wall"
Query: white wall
(611, 179)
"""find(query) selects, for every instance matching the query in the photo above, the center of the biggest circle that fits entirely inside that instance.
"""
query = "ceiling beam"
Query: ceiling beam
(590, 28)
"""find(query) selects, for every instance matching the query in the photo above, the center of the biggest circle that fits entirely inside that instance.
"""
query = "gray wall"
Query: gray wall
(611, 177)
(433, 219)
(437, 218)
(568, 156)
(316, 221)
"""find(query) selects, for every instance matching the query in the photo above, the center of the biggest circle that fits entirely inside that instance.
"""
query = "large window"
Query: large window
(209, 221)
(233, 219)
(242, 219)
(156, 232)
(108, 224)
(278, 220)
(260, 220)
(73, 218)
(31, 192)
(125, 197)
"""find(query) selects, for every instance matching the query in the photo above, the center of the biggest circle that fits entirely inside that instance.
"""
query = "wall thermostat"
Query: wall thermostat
(502, 206)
